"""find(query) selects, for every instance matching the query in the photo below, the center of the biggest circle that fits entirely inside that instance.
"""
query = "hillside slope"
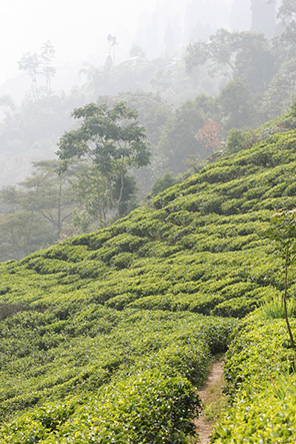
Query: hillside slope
(83, 319)
(199, 247)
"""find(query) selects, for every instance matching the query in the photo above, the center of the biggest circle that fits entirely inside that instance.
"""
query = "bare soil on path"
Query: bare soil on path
(204, 428)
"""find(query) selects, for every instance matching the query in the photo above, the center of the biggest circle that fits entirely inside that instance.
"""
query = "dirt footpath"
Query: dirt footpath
(204, 428)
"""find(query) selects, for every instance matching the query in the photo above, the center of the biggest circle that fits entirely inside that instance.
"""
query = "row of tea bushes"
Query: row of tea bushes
(101, 309)
(148, 407)
(75, 348)
(203, 282)
(261, 382)
(175, 253)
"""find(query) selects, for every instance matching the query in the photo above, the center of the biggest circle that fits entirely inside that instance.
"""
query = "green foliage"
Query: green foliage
(263, 392)
(162, 183)
(73, 348)
(177, 142)
(155, 408)
(112, 139)
(235, 101)
(247, 55)
(274, 308)
(283, 232)
(95, 313)
(35, 211)
(286, 14)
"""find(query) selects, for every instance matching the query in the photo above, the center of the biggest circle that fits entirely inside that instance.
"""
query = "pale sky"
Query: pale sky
(75, 28)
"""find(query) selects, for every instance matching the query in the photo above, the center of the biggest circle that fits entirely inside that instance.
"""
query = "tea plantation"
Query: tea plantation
(105, 337)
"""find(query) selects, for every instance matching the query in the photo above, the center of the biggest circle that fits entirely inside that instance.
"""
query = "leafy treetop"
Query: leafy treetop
(111, 138)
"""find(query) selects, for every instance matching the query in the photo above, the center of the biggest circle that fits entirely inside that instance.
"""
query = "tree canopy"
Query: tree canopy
(246, 55)
(112, 139)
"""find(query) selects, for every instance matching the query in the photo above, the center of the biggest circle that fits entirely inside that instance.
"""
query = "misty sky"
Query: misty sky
(75, 28)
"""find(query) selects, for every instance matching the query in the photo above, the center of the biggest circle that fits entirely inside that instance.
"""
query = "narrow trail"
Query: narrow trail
(203, 427)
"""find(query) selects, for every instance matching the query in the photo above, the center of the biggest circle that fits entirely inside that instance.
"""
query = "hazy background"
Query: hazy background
(78, 30)
(191, 69)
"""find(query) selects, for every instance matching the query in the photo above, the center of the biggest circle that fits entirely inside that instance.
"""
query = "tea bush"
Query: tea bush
(82, 320)
(71, 348)
(150, 407)
(261, 380)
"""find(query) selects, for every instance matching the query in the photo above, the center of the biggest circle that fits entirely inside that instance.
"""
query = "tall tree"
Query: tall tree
(21, 229)
(113, 141)
(46, 58)
(33, 213)
(287, 15)
(7, 104)
(112, 43)
(239, 54)
(236, 105)
(49, 192)
(281, 91)
(36, 64)
(217, 53)
(30, 64)
(178, 142)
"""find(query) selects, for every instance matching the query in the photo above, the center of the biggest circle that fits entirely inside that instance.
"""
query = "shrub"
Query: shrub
(235, 307)
(262, 390)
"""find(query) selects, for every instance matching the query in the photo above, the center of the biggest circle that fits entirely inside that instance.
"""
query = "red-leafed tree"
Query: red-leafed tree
(210, 135)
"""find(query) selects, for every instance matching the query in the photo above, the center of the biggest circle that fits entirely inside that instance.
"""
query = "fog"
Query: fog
(78, 30)
(189, 68)
(78, 33)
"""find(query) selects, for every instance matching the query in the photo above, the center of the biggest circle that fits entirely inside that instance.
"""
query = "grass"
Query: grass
(216, 402)
(274, 308)
(284, 385)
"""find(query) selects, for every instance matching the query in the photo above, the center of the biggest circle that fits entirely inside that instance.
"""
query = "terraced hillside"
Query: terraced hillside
(103, 337)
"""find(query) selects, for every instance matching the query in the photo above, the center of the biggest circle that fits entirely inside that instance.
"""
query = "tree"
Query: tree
(112, 43)
(36, 64)
(239, 54)
(46, 59)
(92, 190)
(255, 60)
(287, 16)
(163, 182)
(20, 227)
(49, 193)
(236, 141)
(283, 233)
(30, 63)
(217, 52)
(281, 91)
(153, 114)
(7, 104)
(210, 135)
(95, 203)
(178, 142)
(236, 105)
(111, 139)
(137, 51)
(33, 214)
(20, 234)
